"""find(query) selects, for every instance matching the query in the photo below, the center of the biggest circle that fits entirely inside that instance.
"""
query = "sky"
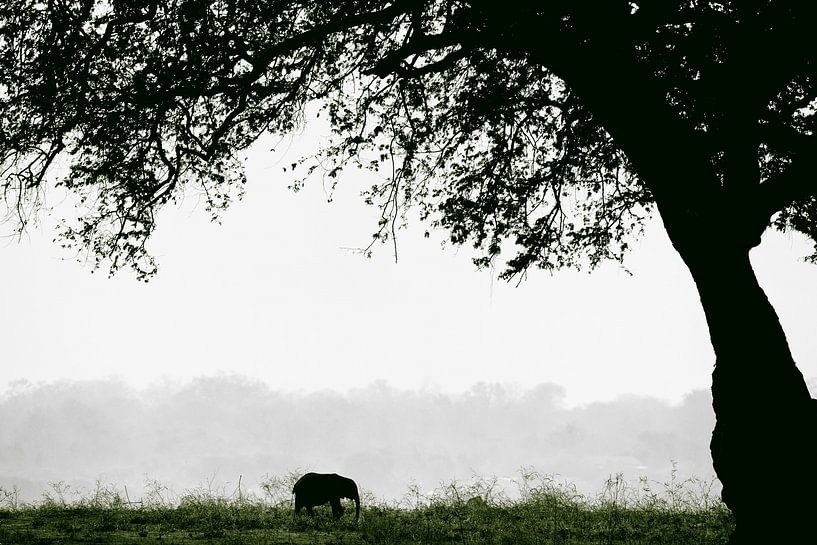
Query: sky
(276, 293)
(274, 301)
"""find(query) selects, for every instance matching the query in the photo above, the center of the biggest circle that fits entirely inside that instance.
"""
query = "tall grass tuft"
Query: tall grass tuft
(542, 510)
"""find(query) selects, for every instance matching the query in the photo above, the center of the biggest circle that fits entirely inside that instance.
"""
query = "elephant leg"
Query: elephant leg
(337, 508)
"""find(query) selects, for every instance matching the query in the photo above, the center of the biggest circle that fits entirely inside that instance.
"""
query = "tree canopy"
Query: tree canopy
(548, 130)
(544, 129)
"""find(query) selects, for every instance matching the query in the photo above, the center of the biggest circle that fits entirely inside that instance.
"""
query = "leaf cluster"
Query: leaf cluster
(549, 130)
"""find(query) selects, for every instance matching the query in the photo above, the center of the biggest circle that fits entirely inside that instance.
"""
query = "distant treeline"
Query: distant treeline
(215, 429)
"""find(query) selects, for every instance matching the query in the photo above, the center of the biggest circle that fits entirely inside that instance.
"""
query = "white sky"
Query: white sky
(273, 294)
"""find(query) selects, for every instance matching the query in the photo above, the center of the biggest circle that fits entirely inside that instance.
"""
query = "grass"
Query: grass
(476, 513)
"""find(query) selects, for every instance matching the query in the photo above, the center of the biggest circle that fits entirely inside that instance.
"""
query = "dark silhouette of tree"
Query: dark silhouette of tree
(548, 130)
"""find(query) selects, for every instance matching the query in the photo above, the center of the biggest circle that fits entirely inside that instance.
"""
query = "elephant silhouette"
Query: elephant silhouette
(318, 488)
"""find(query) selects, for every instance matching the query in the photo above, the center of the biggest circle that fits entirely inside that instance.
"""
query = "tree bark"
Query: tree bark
(764, 445)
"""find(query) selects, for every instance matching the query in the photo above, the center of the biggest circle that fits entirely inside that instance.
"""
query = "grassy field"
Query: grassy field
(473, 514)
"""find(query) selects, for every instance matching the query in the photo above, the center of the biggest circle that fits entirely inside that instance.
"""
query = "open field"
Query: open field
(471, 514)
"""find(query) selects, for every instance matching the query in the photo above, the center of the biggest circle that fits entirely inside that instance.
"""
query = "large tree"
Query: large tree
(548, 130)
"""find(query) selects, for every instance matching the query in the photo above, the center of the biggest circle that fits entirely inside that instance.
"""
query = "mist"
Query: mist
(210, 431)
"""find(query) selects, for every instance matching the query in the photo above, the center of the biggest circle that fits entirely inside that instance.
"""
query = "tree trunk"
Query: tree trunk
(764, 445)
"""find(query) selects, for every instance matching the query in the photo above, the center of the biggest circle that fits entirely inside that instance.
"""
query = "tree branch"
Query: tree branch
(797, 182)
(664, 150)
(392, 61)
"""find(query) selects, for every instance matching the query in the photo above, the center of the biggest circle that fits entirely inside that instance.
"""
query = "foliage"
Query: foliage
(546, 128)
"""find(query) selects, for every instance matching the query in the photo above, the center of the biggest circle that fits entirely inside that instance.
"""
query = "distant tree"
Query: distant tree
(547, 130)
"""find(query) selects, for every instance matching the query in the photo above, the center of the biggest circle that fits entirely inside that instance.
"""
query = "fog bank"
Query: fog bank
(211, 430)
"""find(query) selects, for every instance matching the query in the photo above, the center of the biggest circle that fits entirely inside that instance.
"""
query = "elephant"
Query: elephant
(318, 488)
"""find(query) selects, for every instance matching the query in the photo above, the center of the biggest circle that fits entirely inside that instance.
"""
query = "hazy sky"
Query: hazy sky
(275, 294)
